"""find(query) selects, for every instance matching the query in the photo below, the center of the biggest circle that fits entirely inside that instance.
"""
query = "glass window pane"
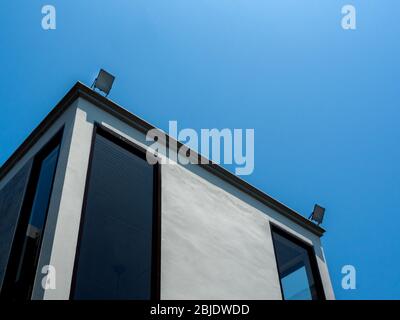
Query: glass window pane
(115, 250)
(295, 269)
(42, 195)
(31, 246)
(294, 285)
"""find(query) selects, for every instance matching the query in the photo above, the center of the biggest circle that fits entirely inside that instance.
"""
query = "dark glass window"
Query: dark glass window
(297, 266)
(22, 265)
(11, 199)
(114, 256)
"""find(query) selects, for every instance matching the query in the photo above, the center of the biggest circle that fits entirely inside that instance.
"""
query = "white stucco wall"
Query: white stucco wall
(216, 240)
(214, 246)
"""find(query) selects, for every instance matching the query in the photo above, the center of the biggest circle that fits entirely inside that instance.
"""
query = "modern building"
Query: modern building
(80, 203)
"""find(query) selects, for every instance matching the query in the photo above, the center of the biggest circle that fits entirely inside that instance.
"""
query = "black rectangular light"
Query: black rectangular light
(318, 214)
(104, 81)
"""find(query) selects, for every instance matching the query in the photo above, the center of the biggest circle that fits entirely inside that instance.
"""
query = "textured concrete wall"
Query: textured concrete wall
(214, 246)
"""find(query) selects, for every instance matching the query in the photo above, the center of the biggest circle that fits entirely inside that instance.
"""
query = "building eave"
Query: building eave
(81, 90)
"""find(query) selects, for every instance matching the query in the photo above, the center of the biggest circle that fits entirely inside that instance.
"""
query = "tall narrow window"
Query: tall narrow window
(116, 256)
(297, 266)
(22, 265)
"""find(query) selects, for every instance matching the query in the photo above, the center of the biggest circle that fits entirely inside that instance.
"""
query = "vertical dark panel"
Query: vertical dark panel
(27, 257)
(26, 243)
(116, 247)
(11, 197)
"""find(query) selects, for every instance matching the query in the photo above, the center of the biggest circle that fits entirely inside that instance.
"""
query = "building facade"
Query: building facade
(79, 201)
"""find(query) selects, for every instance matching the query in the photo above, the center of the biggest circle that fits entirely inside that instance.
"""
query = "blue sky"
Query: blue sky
(324, 102)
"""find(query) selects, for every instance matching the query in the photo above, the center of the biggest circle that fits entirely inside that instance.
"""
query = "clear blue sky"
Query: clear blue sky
(324, 102)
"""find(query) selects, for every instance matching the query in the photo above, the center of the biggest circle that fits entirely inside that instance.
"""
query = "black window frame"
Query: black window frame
(8, 290)
(99, 129)
(311, 255)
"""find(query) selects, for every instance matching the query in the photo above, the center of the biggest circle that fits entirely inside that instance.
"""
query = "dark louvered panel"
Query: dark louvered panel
(115, 249)
(11, 198)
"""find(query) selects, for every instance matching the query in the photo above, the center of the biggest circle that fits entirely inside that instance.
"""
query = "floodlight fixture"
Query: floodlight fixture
(103, 82)
(318, 214)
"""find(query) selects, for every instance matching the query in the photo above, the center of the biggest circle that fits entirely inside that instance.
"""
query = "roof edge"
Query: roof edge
(81, 90)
